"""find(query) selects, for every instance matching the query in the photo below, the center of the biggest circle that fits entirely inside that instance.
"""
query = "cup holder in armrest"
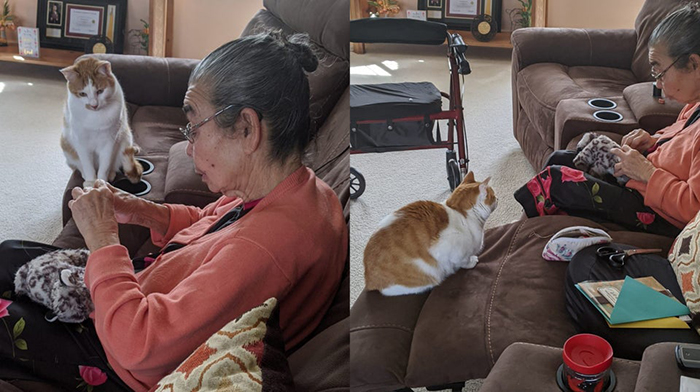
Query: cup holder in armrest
(139, 189)
(602, 103)
(607, 116)
(146, 165)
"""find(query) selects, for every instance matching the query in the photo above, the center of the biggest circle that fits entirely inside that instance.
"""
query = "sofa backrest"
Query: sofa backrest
(328, 28)
(651, 14)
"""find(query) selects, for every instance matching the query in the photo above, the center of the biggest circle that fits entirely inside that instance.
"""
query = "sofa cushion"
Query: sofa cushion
(157, 128)
(651, 14)
(685, 260)
(542, 86)
(511, 295)
(246, 354)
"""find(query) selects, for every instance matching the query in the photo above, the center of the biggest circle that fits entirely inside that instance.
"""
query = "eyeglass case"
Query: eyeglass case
(566, 242)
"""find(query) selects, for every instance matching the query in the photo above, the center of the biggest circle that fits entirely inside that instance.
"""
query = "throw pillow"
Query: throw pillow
(685, 260)
(245, 355)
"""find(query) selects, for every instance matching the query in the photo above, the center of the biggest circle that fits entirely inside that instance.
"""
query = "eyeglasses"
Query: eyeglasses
(658, 76)
(189, 129)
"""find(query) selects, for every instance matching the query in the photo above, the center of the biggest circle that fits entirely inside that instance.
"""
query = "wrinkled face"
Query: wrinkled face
(679, 84)
(91, 82)
(218, 156)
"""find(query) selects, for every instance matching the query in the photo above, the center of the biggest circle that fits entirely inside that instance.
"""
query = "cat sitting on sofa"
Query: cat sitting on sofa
(57, 281)
(421, 244)
(594, 157)
(96, 137)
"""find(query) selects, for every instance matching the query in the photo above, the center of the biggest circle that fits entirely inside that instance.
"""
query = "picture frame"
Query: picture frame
(435, 4)
(54, 15)
(459, 14)
(79, 21)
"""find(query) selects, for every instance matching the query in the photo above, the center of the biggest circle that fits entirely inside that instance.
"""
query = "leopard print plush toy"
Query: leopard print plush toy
(594, 157)
(56, 280)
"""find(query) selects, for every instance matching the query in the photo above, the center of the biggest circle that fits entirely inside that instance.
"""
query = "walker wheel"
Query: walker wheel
(454, 177)
(357, 184)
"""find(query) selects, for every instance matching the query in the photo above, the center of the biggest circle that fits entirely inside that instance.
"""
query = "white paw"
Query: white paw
(88, 184)
(471, 263)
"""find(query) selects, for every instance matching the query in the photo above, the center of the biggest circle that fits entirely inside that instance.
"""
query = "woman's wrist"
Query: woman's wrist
(152, 215)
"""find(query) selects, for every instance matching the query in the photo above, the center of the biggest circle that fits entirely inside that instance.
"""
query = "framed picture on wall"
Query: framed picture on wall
(71, 24)
(55, 13)
(435, 4)
(459, 14)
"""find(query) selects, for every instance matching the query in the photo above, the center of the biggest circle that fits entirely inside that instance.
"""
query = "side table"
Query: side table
(526, 367)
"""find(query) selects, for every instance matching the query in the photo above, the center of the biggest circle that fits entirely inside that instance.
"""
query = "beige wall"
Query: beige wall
(605, 14)
(609, 14)
(200, 26)
(25, 10)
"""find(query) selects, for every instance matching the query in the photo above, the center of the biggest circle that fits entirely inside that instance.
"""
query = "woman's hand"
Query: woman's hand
(93, 213)
(632, 164)
(126, 205)
(135, 210)
(639, 140)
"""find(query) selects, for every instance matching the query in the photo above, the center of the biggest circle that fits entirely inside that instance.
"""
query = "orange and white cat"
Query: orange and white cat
(96, 137)
(417, 247)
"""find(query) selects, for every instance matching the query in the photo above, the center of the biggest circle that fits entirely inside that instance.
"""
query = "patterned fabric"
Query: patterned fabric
(685, 260)
(246, 355)
(561, 190)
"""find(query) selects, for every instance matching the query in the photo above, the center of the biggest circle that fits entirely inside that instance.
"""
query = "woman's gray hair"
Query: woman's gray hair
(265, 72)
(679, 33)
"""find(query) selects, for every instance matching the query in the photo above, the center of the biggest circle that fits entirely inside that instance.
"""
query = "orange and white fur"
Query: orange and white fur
(96, 137)
(417, 247)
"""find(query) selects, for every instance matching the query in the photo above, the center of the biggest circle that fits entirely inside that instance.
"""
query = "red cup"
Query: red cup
(587, 360)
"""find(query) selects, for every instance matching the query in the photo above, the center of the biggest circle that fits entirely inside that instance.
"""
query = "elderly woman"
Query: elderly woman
(667, 180)
(277, 231)
(663, 194)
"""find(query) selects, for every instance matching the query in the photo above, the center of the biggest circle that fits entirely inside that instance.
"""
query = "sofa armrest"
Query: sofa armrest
(381, 333)
(650, 114)
(152, 81)
(659, 371)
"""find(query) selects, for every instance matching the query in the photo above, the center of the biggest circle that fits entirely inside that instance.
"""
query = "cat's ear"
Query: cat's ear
(468, 178)
(70, 73)
(484, 184)
(104, 67)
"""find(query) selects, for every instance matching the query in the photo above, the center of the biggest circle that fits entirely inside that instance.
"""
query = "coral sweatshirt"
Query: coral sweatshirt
(292, 246)
(673, 191)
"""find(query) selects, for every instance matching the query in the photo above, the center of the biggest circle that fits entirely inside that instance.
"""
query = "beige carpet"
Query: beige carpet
(33, 172)
(398, 178)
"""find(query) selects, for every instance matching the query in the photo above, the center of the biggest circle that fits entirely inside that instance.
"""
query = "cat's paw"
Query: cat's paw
(471, 263)
(88, 184)
(134, 175)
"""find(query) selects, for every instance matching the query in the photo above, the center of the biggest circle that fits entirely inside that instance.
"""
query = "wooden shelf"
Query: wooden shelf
(501, 40)
(50, 57)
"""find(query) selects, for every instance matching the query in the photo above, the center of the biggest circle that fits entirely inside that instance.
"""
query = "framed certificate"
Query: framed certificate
(70, 24)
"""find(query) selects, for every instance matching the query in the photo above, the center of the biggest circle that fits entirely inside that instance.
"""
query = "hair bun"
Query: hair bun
(300, 45)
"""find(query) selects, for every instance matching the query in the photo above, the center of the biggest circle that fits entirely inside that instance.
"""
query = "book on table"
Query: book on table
(636, 303)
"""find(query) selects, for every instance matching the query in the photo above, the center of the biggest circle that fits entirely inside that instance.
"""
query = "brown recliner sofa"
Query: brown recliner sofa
(556, 71)
(154, 89)
(458, 330)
